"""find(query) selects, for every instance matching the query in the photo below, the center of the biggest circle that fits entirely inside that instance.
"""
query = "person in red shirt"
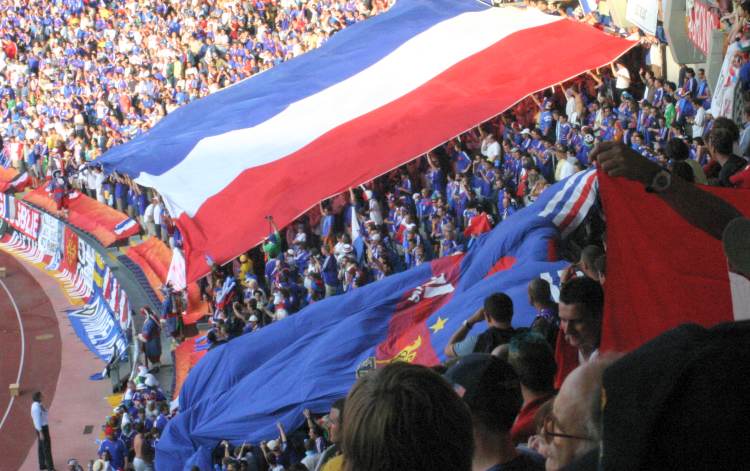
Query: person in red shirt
(741, 179)
(534, 362)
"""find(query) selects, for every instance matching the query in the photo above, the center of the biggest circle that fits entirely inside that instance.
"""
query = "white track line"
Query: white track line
(23, 351)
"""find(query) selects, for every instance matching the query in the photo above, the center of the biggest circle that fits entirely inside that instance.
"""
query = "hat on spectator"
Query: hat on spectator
(416, 196)
(736, 240)
(253, 318)
(273, 445)
(526, 131)
(346, 248)
(488, 385)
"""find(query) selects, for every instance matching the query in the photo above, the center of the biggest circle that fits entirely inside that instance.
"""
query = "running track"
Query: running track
(41, 363)
(55, 362)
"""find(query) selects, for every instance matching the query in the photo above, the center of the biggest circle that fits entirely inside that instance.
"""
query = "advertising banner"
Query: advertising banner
(50, 235)
(643, 13)
(96, 326)
(26, 220)
(702, 19)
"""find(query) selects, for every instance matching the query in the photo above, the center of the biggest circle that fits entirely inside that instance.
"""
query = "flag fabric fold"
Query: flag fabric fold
(661, 270)
(378, 94)
(311, 358)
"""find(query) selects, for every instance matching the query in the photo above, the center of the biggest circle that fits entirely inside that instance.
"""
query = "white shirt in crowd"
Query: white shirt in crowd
(158, 211)
(98, 184)
(38, 415)
(375, 212)
(148, 214)
(570, 107)
(311, 460)
(699, 121)
(491, 150)
(622, 78)
(567, 168)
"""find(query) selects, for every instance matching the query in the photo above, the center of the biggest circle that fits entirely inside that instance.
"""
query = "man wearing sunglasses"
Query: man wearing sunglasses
(572, 430)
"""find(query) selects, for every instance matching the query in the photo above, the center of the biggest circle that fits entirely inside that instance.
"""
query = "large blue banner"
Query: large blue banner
(239, 390)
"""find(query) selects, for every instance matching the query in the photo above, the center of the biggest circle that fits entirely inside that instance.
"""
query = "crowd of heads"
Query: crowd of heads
(550, 415)
(432, 206)
(131, 432)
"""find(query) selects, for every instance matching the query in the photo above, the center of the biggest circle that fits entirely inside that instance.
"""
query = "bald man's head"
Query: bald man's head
(577, 413)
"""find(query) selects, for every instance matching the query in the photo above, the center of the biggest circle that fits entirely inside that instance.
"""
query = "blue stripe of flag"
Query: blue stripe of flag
(261, 97)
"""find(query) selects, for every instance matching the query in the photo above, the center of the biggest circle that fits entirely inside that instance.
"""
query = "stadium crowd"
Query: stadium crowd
(78, 77)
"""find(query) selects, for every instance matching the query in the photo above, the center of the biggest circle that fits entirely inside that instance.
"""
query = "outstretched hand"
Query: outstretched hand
(619, 160)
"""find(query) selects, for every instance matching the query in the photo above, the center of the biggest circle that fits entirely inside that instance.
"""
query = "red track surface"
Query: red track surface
(42, 358)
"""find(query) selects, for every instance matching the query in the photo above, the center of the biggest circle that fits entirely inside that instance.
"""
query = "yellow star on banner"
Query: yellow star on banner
(438, 325)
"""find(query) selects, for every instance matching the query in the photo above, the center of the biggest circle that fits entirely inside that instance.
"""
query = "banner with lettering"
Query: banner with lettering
(49, 243)
(50, 234)
(26, 219)
(105, 224)
(722, 101)
(702, 20)
(643, 13)
(96, 326)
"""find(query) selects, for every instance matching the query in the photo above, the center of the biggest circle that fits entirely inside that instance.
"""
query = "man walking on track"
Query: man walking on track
(39, 416)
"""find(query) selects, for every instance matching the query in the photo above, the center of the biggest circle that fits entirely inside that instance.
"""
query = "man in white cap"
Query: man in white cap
(275, 450)
(252, 324)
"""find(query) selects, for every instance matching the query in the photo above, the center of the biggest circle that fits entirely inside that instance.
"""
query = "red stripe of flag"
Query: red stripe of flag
(468, 93)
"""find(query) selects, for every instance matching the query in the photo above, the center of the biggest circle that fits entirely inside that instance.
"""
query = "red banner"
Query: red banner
(153, 257)
(69, 260)
(6, 176)
(106, 224)
(186, 356)
(702, 20)
(26, 220)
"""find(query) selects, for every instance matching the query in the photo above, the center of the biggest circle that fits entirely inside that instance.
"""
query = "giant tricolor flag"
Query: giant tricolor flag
(376, 95)
(239, 390)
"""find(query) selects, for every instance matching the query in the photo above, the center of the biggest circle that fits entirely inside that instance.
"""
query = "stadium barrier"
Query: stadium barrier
(102, 310)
